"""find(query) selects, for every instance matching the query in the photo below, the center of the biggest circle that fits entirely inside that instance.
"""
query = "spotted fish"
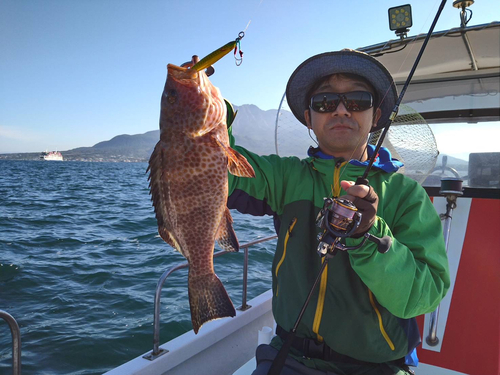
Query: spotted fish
(188, 184)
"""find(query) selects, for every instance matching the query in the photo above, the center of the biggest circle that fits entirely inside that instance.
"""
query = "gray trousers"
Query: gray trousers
(265, 355)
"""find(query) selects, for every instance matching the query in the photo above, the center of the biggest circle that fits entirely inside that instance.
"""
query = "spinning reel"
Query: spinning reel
(339, 218)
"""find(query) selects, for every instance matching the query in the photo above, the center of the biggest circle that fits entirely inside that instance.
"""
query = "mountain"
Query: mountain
(253, 128)
(131, 148)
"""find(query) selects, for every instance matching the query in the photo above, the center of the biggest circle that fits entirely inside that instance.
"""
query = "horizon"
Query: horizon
(74, 74)
(474, 140)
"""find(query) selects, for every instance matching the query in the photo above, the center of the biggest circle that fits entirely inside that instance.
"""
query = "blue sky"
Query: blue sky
(74, 73)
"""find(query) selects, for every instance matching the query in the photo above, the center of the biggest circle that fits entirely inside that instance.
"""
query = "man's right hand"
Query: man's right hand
(366, 201)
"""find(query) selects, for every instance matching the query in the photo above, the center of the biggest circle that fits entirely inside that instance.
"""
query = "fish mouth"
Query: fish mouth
(180, 73)
(184, 71)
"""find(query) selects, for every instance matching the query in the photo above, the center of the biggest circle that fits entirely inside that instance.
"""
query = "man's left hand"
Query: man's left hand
(366, 201)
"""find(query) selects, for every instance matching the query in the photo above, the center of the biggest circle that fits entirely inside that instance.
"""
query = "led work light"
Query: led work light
(400, 19)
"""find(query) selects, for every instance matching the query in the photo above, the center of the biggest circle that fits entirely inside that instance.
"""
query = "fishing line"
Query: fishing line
(255, 11)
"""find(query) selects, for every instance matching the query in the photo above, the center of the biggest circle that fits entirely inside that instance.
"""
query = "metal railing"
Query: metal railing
(16, 341)
(156, 322)
(451, 188)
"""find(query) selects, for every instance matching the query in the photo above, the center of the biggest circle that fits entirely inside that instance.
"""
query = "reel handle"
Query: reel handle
(383, 244)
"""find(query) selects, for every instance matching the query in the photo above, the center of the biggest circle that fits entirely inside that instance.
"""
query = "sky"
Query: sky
(74, 73)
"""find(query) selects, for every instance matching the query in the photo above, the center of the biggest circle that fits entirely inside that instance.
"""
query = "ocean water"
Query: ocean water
(80, 258)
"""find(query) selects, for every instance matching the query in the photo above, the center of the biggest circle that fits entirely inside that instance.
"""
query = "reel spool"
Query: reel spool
(339, 218)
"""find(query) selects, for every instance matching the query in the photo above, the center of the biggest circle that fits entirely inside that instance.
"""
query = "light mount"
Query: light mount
(400, 20)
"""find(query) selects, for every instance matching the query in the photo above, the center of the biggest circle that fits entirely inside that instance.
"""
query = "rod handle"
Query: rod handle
(362, 181)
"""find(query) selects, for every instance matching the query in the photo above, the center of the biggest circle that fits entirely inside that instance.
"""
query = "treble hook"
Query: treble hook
(240, 59)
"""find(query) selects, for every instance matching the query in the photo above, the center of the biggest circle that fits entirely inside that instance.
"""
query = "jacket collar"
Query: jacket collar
(384, 160)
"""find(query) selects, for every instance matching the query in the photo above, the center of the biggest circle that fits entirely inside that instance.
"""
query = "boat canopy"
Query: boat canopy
(457, 77)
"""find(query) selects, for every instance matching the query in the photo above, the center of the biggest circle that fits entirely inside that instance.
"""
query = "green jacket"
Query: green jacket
(366, 300)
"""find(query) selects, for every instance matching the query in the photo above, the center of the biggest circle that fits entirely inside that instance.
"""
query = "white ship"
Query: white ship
(52, 155)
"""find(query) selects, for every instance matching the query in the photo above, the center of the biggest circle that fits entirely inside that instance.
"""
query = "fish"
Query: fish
(188, 183)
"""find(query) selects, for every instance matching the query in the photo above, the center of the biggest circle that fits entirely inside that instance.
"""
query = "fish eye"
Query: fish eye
(172, 96)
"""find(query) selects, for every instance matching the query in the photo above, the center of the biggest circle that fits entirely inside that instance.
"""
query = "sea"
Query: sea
(80, 258)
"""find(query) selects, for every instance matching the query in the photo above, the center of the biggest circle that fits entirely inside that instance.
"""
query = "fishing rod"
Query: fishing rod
(339, 218)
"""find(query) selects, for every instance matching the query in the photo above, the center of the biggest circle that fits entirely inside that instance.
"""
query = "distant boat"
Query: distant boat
(52, 155)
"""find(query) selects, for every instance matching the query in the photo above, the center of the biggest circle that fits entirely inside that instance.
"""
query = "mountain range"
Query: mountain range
(253, 128)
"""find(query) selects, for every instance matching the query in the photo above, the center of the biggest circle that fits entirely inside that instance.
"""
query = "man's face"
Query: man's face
(342, 133)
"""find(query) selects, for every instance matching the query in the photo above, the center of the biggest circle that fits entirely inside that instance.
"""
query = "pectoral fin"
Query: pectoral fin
(237, 164)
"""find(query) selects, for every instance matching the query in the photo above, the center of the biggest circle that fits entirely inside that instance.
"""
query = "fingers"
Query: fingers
(350, 188)
(366, 201)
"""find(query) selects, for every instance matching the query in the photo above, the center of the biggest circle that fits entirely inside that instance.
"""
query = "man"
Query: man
(360, 319)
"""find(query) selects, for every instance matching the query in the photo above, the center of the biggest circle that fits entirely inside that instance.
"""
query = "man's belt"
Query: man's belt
(313, 349)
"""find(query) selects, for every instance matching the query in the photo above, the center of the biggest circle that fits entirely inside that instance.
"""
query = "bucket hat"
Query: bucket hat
(344, 61)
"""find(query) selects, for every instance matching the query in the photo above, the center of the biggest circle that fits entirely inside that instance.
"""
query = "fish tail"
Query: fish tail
(208, 299)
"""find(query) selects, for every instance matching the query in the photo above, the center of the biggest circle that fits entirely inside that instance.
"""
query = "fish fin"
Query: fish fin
(168, 238)
(237, 164)
(208, 299)
(159, 192)
(226, 238)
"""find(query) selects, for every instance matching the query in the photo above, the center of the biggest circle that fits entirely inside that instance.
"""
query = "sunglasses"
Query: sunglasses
(353, 101)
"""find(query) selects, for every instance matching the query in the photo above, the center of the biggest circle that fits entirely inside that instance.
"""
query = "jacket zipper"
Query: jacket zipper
(287, 236)
(324, 277)
(380, 323)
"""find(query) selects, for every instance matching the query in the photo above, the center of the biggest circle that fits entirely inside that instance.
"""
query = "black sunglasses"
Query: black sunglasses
(353, 101)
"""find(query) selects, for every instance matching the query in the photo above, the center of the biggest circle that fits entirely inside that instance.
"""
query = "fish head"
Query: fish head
(190, 103)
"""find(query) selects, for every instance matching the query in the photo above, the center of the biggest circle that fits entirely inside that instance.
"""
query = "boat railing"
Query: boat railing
(157, 352)
(451, 188)
(16, 341)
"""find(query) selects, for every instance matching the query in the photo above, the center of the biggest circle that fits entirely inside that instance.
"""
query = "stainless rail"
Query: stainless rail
(451, 203)
(156, 322)
(16, 341)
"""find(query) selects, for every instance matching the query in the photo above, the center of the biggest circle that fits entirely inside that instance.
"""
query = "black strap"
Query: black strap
(314, 349)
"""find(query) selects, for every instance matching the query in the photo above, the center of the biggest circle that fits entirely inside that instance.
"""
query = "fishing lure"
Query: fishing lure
(220, 53)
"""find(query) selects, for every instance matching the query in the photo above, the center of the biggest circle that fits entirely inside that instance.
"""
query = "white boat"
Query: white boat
(457, 81)
(51, 156)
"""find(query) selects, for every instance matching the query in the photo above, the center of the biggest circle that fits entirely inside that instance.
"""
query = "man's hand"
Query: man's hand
(366, 201)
